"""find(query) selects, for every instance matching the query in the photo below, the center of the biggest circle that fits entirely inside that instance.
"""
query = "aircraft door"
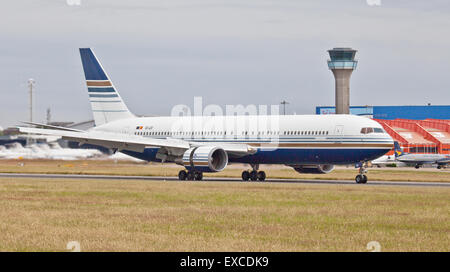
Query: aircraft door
(339, 130)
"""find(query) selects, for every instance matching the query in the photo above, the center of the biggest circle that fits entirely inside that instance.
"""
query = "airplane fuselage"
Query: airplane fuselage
(279, 139)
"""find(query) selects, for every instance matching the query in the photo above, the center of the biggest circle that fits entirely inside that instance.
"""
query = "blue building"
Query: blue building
(393, 112)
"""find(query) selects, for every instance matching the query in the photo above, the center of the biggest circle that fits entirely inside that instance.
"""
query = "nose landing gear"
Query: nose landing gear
(361, 177)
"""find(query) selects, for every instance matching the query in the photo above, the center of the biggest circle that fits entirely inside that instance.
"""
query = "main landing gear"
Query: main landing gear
(361, 177)
(254, 175)
(190, 175)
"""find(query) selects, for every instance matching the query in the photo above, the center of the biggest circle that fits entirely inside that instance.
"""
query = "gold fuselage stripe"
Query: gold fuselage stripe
(196, 163)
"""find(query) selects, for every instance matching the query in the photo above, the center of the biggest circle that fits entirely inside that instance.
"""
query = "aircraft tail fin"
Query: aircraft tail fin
(398, 151)
(106, 103)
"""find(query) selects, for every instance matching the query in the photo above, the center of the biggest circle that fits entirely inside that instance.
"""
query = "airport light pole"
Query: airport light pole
(49, 116)
(284, 102)
(30, 86)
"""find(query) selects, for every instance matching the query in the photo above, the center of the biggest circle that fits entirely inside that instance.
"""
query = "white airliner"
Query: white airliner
(307, 143)
(418, 160)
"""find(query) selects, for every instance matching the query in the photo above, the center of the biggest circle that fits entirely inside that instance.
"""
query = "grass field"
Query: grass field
(127, 168)
(119, 215)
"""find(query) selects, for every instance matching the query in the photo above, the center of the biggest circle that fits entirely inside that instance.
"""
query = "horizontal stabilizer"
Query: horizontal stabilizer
(51, 127)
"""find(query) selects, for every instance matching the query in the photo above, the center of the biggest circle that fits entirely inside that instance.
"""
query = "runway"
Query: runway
(219, 179)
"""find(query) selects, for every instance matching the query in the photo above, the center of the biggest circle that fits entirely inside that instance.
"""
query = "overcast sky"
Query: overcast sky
(160, 53)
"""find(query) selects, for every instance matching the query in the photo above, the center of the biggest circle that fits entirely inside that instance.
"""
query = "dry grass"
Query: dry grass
(108, 167)
(115, 215)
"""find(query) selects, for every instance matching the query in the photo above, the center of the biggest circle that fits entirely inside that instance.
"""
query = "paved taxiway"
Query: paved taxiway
(218, 179)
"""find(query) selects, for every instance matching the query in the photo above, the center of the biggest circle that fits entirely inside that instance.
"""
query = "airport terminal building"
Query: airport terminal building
(418, 129)
(394, 112)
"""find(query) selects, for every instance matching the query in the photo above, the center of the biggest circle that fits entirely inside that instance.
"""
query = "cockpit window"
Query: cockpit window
(368, 130)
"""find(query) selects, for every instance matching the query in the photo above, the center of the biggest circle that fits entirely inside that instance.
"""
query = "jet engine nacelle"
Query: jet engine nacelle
(205, 159)
(314, 169)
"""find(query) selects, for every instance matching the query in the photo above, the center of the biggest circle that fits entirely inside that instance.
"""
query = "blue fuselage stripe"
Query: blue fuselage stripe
(291, 155)
(101, 90)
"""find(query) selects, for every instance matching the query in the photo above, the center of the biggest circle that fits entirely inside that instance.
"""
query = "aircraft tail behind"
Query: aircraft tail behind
(106, 103)
(398, 151)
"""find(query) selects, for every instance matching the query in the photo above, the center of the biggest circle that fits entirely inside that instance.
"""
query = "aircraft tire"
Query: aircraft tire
(359, 179)
(190, 175)
(364, 179)
(254, 175)
(261, 176)
(198, 175)
(245, 176)
(182, 175)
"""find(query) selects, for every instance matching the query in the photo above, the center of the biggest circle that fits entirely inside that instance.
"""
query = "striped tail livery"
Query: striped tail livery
(106, 103)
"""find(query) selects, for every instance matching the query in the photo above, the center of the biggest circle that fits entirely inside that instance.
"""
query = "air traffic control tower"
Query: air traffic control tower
(342, 63)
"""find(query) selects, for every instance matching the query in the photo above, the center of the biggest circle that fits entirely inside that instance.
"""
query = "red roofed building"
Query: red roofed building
(420, 136)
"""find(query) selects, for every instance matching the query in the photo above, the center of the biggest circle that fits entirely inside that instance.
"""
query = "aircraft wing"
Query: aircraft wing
(131, 142)
(52, 127)
(110, 140)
